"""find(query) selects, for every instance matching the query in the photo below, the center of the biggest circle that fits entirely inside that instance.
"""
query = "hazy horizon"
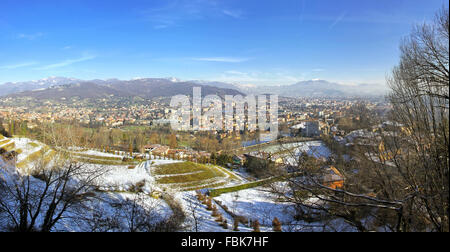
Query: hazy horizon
(176, 79)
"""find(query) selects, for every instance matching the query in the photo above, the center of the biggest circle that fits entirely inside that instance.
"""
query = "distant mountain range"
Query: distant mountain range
(59, 87)
(318, 88)
(16, 87)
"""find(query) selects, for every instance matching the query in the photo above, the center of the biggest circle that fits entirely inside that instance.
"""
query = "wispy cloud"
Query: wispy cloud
(161, 26)
(66, 48)
(175, 13)
(67, 62)
(337, 21)
(234, 72)
(233, 13)
(277, 76)
(222, 59)
(20, 65)
(31, 36)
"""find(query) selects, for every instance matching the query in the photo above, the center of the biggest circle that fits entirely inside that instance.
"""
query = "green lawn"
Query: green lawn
(2, 142)
(33, 145)
(110, 158)
(177, 168)
(9, 147)
(100, 160)
(31, 158)
(103, 161)
(191, 176)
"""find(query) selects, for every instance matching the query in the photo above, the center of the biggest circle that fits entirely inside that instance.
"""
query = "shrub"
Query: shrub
(138, 187)
(242, 219)
(225, 224)
(276, 225)
(219, 218)
(205, 200)
(209, 204)
(199, 195)
(256, 226)
(236, 225)
(215, 213)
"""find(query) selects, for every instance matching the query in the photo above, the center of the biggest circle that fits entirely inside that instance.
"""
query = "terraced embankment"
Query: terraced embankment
(186, 176)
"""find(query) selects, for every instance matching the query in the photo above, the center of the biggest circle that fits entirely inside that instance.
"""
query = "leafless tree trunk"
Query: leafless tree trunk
(402, 178)
(420, 99)
(194, 206)
(38, 201)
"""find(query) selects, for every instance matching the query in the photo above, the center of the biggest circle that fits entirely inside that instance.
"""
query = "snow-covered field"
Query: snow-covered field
(194, 209)
(257, 204)
(25, 146)
(122, 178)
(106, 207)
(99, 154)
(254, 204)
(262, 205)
(119, 183)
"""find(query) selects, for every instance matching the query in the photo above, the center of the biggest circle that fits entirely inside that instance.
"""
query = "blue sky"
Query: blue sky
(258, 42)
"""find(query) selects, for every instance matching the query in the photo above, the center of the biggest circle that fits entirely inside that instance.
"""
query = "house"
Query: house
(151, 147)
(204, 154)
(311, 129)
(332, 178)
(307, 129)
(175, 152)
(161, 150)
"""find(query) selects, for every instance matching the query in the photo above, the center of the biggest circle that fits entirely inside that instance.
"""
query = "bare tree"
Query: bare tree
(57, 193)
(38, 201)
(420, 99)
(194, 207)
(399, 179)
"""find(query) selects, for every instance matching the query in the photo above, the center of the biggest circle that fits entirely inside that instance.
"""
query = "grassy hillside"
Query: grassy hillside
(192, 176)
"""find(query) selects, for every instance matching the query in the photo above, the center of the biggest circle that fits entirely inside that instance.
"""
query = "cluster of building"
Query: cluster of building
(312, 117)
(111, 116)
